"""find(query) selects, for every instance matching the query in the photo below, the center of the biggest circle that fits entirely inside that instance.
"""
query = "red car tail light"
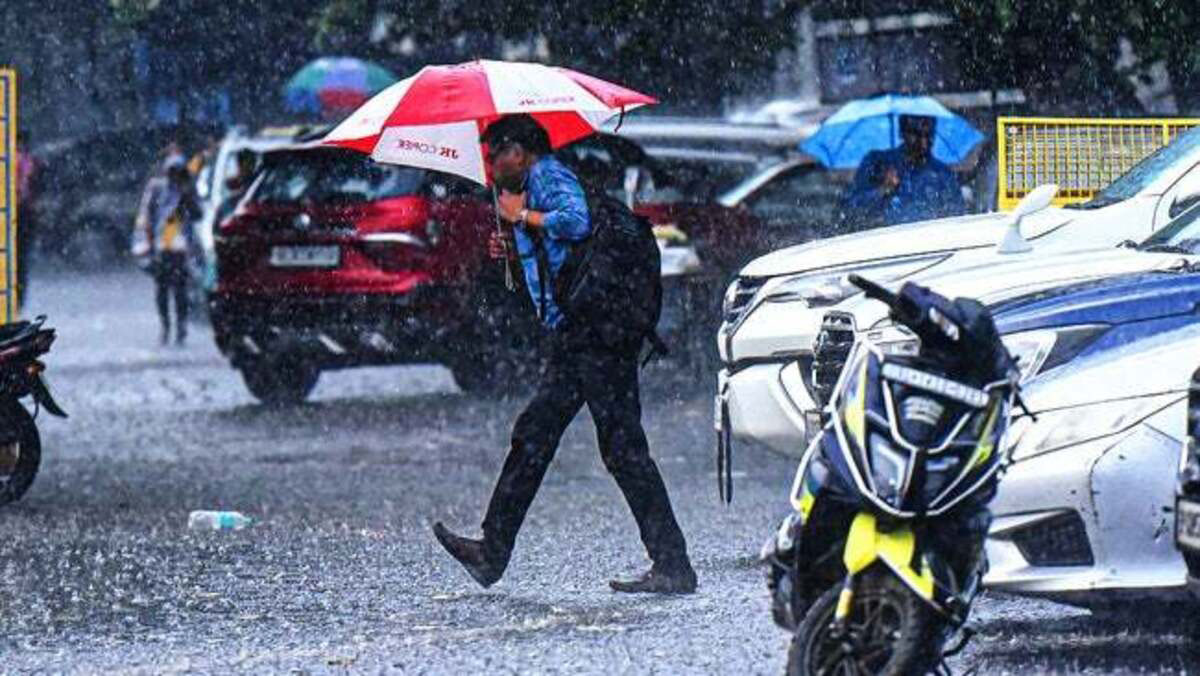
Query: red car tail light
(395, 250)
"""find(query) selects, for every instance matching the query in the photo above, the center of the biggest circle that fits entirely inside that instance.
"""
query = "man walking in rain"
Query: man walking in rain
(544, 201)
(903, 184)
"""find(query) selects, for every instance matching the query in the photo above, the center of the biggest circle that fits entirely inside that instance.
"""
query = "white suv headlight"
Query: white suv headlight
(815, 290)
(1064, 427)
(831, 286)
(730, 297)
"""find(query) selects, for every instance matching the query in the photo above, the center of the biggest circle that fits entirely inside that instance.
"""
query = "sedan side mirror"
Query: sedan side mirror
(1039, 198)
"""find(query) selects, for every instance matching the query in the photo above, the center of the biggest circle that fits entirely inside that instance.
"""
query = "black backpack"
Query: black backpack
(610, 286)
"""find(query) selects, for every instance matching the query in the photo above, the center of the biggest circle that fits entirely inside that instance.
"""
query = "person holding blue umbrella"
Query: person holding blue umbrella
(901, 146)
(904, 184)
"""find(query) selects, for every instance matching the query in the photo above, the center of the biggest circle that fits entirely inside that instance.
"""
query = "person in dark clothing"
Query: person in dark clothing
(164, 234)
(544, 201)
(903, 184)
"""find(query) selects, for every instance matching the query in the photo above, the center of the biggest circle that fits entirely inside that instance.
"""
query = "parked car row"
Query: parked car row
(1099, 309)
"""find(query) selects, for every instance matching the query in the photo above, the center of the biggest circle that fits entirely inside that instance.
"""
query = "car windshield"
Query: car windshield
(1145, 172)
(1181, 235)
(323, 176)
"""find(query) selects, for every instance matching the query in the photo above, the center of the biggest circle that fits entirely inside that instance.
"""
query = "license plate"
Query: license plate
(1187, 524)
(305, 256)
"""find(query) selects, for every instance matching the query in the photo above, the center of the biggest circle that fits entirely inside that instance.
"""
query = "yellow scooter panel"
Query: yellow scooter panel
(865, 544)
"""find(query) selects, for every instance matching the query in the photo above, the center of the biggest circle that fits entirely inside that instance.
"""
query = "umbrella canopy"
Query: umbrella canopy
(335, 83)
(433, 119)
(861, 126)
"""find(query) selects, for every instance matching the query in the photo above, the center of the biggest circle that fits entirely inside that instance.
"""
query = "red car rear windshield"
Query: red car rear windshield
(340, 176)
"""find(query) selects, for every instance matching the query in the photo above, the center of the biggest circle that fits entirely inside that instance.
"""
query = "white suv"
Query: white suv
(773, 311)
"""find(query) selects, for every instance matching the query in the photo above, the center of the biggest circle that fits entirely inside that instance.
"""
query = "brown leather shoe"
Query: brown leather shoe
(471, 554)
(656, 581)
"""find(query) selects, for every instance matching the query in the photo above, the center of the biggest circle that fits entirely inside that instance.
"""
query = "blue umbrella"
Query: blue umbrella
(861, 126)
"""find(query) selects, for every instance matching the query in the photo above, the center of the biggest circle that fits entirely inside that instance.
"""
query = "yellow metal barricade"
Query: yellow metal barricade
(8, 195)
(1081, 155)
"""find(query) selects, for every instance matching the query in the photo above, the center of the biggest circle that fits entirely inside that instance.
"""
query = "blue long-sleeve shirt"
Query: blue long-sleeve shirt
(928, 191)
(555, 191)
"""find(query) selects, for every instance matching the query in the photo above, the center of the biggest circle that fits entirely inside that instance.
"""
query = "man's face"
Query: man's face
(509, 164)
(918, 140)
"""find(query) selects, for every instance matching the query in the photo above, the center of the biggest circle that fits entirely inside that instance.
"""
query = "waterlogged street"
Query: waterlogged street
(98, 571)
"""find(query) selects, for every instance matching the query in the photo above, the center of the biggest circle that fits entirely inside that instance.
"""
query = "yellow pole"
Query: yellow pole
(8, 111)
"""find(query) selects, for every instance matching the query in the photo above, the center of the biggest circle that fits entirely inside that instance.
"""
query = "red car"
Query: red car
(334, 261)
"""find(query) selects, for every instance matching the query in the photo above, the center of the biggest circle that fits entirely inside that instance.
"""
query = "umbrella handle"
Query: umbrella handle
(509, 282)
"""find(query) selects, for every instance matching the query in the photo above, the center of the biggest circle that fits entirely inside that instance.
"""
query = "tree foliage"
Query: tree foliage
(1063, 54)
(97, 63)
(683, 51)
(689, 52)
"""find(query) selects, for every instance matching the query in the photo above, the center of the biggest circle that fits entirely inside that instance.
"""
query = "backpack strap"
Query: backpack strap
(543, 270)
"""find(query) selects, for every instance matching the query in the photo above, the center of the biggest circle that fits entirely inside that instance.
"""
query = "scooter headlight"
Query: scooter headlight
(940, 471)
(889, 466)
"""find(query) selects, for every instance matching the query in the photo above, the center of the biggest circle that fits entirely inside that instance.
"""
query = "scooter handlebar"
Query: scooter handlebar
(873, 290)
(901, 310)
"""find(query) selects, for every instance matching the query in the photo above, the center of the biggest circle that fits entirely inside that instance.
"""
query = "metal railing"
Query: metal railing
(1081, 155)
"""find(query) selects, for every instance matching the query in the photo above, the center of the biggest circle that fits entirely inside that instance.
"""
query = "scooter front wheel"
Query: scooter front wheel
(20, 451)
(890, 632)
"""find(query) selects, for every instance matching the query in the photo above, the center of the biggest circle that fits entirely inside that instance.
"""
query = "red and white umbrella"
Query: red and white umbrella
(433, 119)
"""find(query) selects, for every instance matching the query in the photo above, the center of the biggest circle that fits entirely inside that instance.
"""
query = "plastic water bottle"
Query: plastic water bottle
(210, 520)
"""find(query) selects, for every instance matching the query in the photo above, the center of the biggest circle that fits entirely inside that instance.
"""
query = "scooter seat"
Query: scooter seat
(16, 332)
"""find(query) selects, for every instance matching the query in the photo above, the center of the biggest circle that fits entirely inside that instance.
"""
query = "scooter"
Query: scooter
(876, 568)
(21, 344)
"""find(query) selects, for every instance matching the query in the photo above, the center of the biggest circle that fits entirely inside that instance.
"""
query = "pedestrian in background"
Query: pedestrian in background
(163, 238)
(28, 173)
(548, 209)
(903, 184)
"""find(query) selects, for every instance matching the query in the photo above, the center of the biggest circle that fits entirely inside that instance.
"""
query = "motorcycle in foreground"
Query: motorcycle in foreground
(21, 343)
(877, 566)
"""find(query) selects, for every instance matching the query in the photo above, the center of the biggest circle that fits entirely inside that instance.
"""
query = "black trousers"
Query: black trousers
(171, 279)
(607, 381)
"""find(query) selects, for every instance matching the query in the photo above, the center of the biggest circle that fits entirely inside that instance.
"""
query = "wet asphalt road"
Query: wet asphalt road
(99, 573)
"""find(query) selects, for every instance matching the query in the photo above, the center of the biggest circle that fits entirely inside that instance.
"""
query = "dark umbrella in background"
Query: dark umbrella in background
(335, 85)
